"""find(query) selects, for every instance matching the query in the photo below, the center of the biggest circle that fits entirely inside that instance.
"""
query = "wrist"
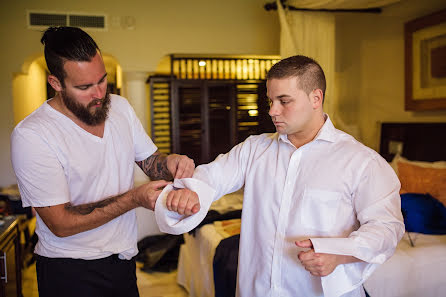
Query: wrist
(133, 199)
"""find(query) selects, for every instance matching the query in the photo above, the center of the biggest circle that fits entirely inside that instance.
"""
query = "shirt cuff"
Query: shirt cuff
(174, 223)
(347, 247)
(346, 277)
(336, 246)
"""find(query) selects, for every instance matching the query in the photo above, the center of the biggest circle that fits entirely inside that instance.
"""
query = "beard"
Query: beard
(98, 116)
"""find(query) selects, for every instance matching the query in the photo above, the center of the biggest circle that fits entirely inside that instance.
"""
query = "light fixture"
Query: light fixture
(202, 63)
(253, 112)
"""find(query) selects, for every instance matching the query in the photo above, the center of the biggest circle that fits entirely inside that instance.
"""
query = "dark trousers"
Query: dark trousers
(107, 277)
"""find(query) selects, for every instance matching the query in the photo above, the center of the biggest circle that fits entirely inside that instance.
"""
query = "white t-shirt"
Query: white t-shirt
(333, 190)
(56, 162)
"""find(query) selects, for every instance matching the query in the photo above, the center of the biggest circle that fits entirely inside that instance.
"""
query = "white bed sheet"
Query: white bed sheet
(410, 272)
(195, 269)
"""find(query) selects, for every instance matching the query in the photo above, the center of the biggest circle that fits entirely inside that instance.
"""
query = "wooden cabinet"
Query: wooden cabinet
(204, 119)
(209, 117)
(10, 265)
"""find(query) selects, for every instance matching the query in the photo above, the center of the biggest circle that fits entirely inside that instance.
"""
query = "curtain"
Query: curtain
(340, 4)
(312, 34)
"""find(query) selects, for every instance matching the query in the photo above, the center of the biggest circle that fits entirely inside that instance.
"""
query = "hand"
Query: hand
(183, 201)
(318, 264)
(147, 194)
(180, 166)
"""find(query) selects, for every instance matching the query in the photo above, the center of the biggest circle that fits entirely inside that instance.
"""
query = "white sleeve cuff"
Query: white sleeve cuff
(346, 277)
(172, 222)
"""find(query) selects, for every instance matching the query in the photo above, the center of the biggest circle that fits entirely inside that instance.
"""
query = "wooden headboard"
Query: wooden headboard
(420, 141)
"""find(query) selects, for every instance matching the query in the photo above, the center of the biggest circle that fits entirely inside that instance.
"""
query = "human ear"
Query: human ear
(317, 98)
(55, 83)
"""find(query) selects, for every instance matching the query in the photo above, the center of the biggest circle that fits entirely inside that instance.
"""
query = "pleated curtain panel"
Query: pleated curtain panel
(312, 33)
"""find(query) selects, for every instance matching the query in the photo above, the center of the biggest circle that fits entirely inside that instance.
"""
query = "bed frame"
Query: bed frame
(420, 141)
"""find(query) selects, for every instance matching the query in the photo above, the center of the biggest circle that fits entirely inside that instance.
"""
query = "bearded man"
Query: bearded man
(74, 159)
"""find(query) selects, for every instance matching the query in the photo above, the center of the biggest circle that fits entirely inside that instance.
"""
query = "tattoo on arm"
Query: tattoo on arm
(88, 208)
(155, 167)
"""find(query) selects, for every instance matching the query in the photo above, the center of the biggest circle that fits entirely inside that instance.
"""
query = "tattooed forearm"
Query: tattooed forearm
(88, 208)
(155, 167)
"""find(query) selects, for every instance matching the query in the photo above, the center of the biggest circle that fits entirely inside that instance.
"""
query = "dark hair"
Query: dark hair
(310, 73)
(66, 43)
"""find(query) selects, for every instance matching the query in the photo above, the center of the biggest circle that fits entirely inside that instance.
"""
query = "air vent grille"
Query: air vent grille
(45, 19)
(87, 21)
(39, 20)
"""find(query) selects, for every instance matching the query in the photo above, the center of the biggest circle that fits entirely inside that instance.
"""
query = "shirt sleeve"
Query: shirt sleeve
(210, 182)
(172, 222)
(144, 146)
(40, 175)
(378, 207)
(226, 174)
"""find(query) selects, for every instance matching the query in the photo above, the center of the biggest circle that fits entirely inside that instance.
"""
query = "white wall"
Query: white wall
(160, 28)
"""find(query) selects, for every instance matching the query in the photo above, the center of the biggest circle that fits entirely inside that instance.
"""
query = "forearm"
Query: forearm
(155, 167)
(372, 243)
(67, 219)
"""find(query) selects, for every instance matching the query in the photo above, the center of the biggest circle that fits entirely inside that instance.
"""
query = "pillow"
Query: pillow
(416, 179)
(421, 177)
(423, 214)
(400, 159)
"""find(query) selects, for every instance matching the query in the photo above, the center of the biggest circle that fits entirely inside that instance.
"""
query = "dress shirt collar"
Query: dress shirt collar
(327, 132)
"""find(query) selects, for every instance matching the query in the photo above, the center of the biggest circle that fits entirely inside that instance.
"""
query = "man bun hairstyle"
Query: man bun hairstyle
(309, 73)
(66, 44)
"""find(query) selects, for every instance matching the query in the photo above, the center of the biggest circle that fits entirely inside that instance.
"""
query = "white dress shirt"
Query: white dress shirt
(333, 190)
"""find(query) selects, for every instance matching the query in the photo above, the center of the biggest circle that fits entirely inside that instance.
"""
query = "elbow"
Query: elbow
(62, 234)
(59, 230)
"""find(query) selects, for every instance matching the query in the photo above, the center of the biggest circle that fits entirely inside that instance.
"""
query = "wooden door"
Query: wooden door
(203, 118)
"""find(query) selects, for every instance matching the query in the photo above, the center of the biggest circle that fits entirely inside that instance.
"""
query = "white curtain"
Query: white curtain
(312, 34)
(340, 4)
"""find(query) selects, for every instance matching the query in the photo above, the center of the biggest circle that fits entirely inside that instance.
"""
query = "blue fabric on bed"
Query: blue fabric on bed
(423, 213)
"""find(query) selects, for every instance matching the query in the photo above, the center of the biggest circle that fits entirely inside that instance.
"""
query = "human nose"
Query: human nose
(98, 91)
(273, 110)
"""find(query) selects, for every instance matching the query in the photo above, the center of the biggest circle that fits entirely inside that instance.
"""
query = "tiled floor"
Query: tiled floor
(150, 285)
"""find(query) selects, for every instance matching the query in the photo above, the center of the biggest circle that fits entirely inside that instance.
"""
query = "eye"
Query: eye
(83, 88)
(283, 102)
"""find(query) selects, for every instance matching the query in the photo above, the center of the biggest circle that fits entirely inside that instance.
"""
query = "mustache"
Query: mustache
(102, 101)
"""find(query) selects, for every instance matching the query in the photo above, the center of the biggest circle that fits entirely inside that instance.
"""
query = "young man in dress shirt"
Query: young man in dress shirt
(320, 210)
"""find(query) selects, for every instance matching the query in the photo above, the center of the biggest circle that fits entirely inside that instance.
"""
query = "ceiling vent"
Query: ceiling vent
(42, 20)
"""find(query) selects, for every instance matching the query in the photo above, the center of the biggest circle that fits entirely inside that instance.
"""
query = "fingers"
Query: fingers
(170, 200)
(158, 184)
(304, 243)
(185, 167)
(153, 199)
(147, 194)
(315, 263)
(196, 208)
(310, 262)
(306, 256)
(183, 201)
(180, 166)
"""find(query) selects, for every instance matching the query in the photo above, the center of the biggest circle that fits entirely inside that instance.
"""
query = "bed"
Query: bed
(208, 259)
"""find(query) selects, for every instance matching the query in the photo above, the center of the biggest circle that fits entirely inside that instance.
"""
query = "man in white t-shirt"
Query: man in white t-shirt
(74, 159)
(320, 209)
